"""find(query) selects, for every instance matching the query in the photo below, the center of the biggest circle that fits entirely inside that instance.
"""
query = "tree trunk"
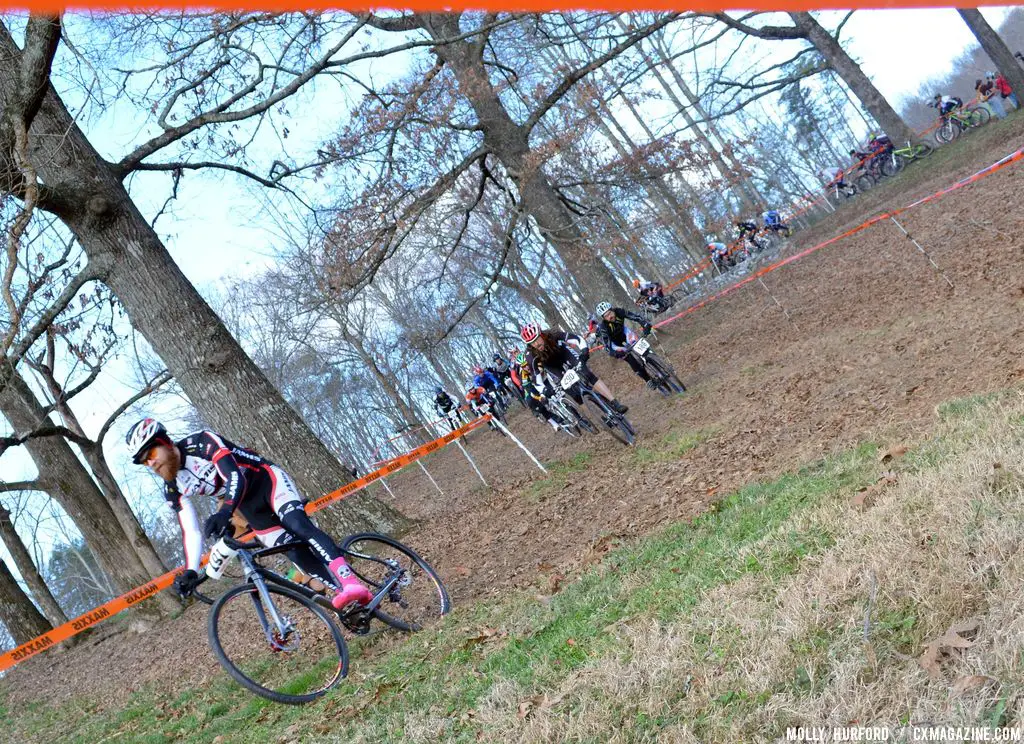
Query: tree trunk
(54, 615)
(995, 48)
(221, 381)
(861, 86)
(21, 618)
(62, 475)
(93, 455)
(509, 143)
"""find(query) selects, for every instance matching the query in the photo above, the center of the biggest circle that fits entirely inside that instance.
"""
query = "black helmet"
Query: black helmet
(438, 390)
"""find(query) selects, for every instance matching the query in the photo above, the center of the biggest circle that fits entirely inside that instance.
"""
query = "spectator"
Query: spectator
(986, 90)
(1005, 91)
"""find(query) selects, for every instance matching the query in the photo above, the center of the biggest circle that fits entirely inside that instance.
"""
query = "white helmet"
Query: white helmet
(141, 436)
(602, 308)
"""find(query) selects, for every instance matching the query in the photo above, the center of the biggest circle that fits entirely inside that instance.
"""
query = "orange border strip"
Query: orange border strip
(119, 604)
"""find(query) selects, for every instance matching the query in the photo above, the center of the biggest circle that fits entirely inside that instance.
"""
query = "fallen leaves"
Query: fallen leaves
(970, 682)
(953, 639)
(893, 452)
(484, 636)
(865, 497)
(537, 703)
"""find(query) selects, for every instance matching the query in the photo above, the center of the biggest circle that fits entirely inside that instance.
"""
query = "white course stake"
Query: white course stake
(424, 469)
(475, 468)
(923, 251)
(522, 446)
(387, 488)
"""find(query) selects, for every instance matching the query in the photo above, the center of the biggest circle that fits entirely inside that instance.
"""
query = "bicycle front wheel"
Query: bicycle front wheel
(293, 662)
(666, 372)
(417, 597)
(864, 183)
(614, 423)
(947, 132)
(892, 165)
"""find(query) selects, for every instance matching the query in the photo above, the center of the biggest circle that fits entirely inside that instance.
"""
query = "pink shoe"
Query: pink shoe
(352, 589)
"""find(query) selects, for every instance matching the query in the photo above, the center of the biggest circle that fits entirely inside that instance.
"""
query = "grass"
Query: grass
(671, 447)
(558, 477)
(730, 628)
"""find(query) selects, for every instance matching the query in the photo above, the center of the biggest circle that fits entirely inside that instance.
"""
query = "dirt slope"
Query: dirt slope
(858, 341)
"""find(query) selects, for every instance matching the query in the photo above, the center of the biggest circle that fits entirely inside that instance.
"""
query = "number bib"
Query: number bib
(641, 347)
(569, 379)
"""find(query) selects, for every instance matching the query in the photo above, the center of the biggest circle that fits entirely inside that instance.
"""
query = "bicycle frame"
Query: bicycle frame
(258, 575)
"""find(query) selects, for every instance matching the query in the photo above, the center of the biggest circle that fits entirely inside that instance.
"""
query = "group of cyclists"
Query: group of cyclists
(750, 240)
(532, 375)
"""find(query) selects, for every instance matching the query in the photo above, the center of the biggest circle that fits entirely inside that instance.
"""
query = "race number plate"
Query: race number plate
(641, 347)
(569, 379)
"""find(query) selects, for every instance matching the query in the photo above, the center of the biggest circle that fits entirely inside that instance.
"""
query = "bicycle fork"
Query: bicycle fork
(276, 628)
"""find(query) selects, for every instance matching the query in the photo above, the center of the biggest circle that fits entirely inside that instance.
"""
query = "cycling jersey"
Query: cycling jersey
(487, 380)
(746, 227)
(211, 466)
(948, 104)
(718, 249)
(613, 334)
(443, 402)
(772, 218)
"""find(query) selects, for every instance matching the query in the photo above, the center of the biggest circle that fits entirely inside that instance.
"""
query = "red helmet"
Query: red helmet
(477, 369)
(636, 284)
(530, 332)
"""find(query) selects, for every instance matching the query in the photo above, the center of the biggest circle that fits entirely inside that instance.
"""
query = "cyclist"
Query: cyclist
(611, 331)
(720, 256)
(746, 229)
(206, 464)
(486, 379)
(773, 221)
(555, 351)
(835, 177)
(479, 400)
(535, 391)
(446, 407)
(946, 104)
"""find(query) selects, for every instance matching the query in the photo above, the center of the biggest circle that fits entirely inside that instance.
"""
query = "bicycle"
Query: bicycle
(574, 423)
(959, 121)
(284, 644)
(666, 381)
(579, 390)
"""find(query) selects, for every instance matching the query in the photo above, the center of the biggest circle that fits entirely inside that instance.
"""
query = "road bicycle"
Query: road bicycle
(598, 410)
(281, 640)
(661, 372)
(959, 121)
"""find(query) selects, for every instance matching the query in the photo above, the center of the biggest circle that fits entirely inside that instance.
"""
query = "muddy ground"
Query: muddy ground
(859, 341)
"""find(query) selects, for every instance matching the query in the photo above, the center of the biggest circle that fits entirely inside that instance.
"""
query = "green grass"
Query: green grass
(558, 476)
(671, 447)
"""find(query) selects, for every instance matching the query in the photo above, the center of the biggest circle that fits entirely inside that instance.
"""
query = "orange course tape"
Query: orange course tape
(987, 171)
(119, 604)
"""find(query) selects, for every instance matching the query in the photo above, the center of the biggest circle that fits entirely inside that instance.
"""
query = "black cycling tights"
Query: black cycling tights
(638, 367)
(319, 550)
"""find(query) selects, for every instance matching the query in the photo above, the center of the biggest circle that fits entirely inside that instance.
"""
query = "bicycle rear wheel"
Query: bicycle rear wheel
(418, 598)
(864, 183)
(922, 151)
(603, 416)
(293, 667)
(978, 116)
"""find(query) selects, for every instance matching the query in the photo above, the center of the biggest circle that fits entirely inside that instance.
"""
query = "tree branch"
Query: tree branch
(156, 382)
(765, 32)
(576, 75)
